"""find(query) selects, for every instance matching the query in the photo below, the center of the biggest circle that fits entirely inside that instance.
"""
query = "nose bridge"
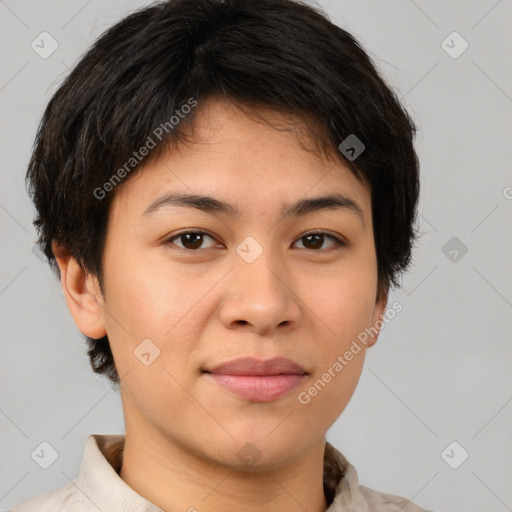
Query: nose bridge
(257, 267)
(259, 295)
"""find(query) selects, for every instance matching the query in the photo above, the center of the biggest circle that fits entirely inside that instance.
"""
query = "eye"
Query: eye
(315, 241)
(191, 240)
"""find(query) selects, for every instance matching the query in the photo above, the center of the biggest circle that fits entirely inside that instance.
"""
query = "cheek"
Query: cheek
(149, 296)
(330, 389)
(153, 336)
(149, 302)
(343, 302)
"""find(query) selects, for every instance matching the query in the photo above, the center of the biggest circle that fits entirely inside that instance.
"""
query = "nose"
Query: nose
(260, 297)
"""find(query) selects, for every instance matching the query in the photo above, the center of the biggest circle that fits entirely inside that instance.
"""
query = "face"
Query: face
(190, 287)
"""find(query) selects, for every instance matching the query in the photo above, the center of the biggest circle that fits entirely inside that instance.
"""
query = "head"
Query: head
(242, 106)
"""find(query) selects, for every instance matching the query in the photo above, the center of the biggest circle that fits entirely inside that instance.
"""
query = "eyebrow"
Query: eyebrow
(211, 205)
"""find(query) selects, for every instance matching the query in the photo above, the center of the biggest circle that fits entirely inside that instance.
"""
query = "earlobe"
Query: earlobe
(377, 322)
(82, 294)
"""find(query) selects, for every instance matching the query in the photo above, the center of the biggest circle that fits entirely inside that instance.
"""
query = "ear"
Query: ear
(377, 323)
(82, 293)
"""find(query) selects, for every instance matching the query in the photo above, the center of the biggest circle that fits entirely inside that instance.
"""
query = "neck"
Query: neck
(175, 478)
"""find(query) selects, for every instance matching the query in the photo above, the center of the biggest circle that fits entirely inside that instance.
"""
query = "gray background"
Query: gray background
(441, 369)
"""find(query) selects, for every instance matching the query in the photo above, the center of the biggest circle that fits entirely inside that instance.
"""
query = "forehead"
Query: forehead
(244, 160)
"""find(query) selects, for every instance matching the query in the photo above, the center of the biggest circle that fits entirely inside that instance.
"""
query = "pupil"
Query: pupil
(195, 244)
(318, 239)
(194, 240)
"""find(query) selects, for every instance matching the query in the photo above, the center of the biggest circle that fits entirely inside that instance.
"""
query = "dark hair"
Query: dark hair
(280, 54)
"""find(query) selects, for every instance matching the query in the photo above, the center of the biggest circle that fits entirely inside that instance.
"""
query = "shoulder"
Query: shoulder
(75, 496)
(382, 502)
(341, 481)
(65, 498)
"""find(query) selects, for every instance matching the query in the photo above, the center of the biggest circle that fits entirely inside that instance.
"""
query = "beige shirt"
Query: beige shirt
(99, 486)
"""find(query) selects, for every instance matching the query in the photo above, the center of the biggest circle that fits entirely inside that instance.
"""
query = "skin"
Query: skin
(304, 300)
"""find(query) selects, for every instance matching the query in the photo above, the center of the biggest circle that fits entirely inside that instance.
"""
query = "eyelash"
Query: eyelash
(338, 242)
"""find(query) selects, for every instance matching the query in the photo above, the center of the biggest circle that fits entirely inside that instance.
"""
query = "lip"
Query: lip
(257, 380)
(253, 366)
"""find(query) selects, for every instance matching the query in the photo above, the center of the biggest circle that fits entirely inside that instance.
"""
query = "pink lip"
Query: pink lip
(261, 381)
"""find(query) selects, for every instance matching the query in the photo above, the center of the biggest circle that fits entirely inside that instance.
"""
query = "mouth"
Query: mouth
(256, 380)
(256, 367)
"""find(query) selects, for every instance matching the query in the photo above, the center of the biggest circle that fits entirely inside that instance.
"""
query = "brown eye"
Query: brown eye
(190, 240)
(315, 241)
